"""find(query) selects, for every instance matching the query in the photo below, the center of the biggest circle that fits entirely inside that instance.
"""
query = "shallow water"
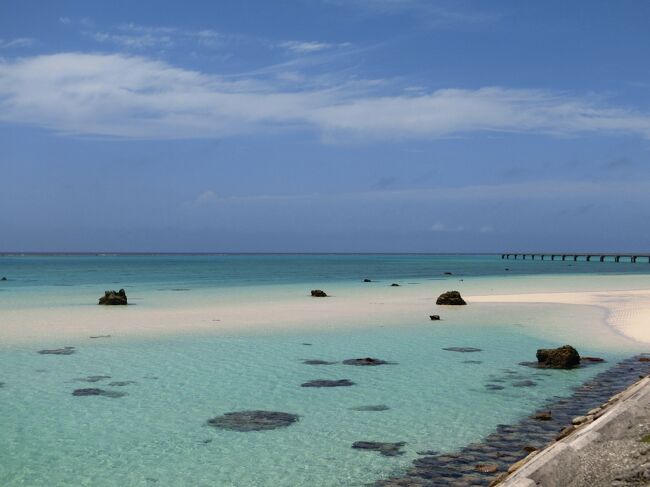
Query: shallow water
(157, 433)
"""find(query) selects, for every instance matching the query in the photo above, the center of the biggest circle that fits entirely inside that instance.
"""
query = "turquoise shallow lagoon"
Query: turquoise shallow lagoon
(157, 433)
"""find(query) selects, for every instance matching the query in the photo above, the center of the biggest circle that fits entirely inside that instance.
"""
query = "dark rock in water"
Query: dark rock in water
(114, 394)
(487, 467)
(367, 280)
(317, 293)
(543, 416)
(113, 298)
(92, 391)
(427, 452)
(565, 432)
(644, 359)
(472, 361)
(448, 274)
(2, 384)
(378, 407)
(100, 336)
(434, 317)
(565, 357)
(494, 387)
(463, 349)
(87, 392)
(452, 298)
(328, 383)
(307, 344)
(93, 378)
(58, 351)
(386, 449)
(529, 448)
(318, 362)
(524, 383)
(394, 285)
(591, 360)
(3, 279)
(253, 420)
(364, 361)
(121, 383)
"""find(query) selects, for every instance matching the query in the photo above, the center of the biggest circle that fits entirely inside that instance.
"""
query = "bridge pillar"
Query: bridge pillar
(602, 258)
(589, 258)
(575, 258)
(563, 257)
(633, 259)
(617, 258)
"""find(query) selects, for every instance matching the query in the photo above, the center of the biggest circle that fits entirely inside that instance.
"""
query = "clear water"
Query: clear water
(157, 434)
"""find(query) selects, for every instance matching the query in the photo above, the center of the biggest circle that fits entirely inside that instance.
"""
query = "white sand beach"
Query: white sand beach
(627, 312)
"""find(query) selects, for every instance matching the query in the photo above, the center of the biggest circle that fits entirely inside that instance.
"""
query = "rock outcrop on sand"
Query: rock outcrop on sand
(434, 317)
(565, 357)
(113, 298)
(253, 420)
(394, 284)
(367, 280)
(452, 298)
(317, 293)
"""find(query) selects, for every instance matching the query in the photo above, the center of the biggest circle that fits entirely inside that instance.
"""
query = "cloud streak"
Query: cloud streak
(135, 97)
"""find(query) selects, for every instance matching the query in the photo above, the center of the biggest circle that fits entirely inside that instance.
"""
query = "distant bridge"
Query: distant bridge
(580, 257)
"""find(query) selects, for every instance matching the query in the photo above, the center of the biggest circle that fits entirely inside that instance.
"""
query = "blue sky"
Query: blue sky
(324, 125)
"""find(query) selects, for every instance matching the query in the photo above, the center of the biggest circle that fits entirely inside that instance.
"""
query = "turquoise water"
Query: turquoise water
(157, 433)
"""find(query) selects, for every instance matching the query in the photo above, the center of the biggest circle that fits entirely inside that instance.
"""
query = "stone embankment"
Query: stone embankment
(608, 446)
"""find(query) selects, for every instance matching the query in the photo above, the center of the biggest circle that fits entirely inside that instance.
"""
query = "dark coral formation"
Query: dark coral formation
(317, 293)
(328, 383)
(253, 420)
(364, 361)
(92, 391)
(58, 351)
(386, 449)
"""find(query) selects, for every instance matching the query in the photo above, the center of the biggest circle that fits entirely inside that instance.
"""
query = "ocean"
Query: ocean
(157, 432)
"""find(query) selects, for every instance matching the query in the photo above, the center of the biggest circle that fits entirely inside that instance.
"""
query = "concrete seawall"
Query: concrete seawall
(625, 415)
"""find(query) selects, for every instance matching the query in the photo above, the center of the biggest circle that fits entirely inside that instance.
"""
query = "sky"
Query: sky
(324, 126)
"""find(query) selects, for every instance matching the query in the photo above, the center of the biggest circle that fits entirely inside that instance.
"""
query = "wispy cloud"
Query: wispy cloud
(139, 41)
(17, 43)
(131, 96)
(432, 13)
(303, 47)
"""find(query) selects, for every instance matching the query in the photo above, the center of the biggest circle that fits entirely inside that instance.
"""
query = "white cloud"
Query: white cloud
(18, 42)
(132, 96)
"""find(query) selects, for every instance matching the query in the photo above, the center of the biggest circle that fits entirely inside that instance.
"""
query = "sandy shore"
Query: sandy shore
(627, 311)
